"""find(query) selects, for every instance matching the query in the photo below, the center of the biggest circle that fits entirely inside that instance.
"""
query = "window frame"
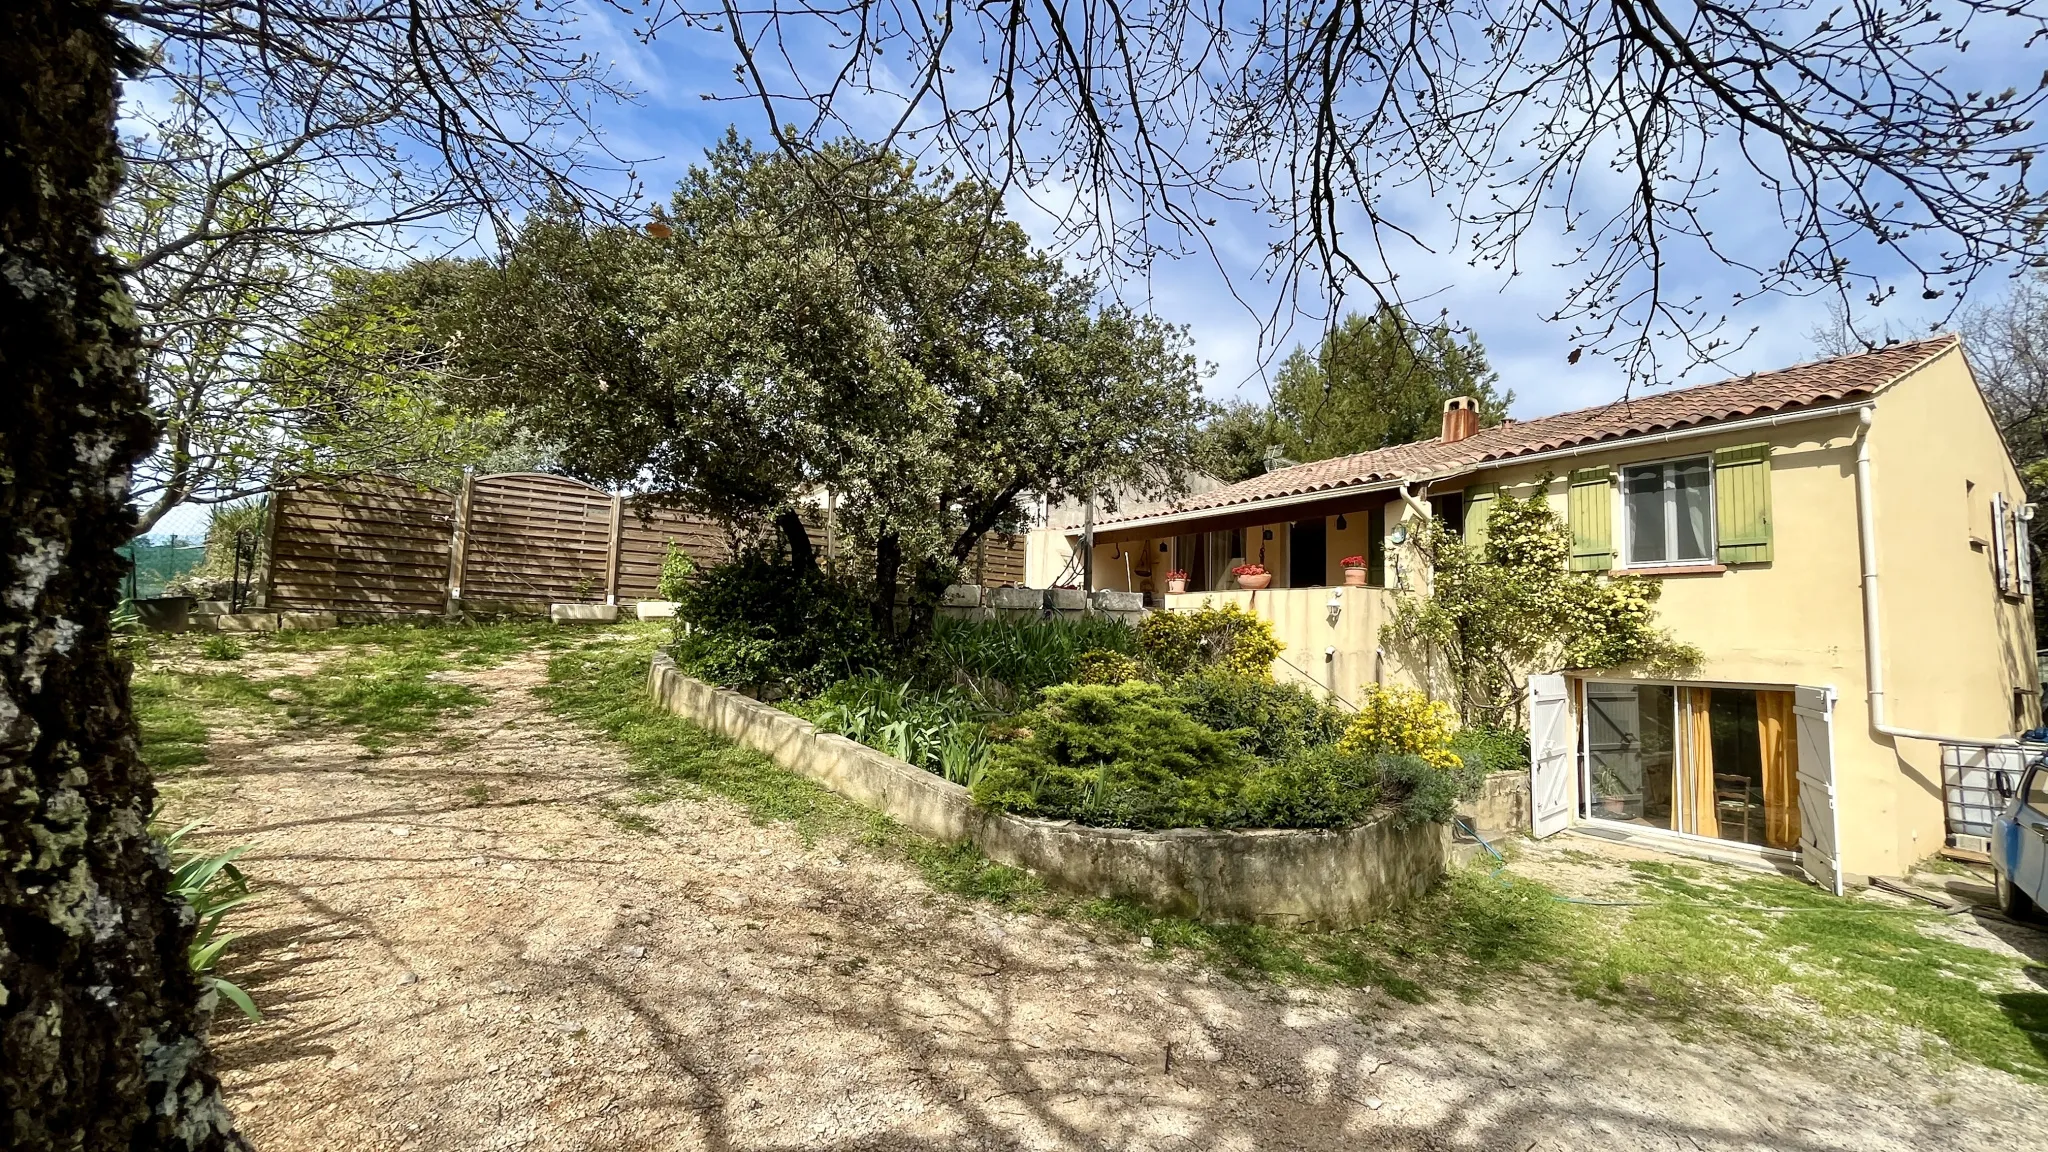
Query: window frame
(1668, 465)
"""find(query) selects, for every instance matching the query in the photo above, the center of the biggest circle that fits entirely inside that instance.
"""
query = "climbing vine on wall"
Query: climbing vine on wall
(1495, 613)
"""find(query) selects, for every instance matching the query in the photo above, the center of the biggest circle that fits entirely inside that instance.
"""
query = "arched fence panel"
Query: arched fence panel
(538, 540)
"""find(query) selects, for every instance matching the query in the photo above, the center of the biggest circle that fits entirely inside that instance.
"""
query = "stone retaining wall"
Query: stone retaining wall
(1278, 876)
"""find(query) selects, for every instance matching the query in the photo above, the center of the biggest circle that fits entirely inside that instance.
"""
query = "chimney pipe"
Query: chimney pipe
(1461, 418)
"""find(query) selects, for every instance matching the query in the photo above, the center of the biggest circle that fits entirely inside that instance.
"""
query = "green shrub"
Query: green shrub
(1274, 721)
(1427, 793)
(1319, 787)
(215, 646)
(676, 570)
(1113, 755)
(1006, 661)
(1225, 637)
(1126, 756)
(758, 623)
(1486, 750)
(1097, 666)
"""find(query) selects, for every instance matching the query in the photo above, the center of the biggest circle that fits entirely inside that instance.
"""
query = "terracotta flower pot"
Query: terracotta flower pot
(1354, 577)
(1176, 587)
(1254, 583)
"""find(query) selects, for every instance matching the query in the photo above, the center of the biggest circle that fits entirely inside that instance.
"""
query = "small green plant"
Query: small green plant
(1485, 750)
(676, 570)
(218, 646)
(935, 731)
(1004, 663)
(213, 886)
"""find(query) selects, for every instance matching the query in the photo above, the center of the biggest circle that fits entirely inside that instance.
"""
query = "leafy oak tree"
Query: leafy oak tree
(102, 1022)
(842, 324)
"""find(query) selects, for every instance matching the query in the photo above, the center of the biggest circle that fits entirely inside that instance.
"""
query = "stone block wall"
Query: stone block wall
(1271, 876)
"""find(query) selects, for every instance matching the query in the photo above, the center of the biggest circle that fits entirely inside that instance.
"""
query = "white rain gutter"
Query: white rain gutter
(1211, 513)
(1873, 629)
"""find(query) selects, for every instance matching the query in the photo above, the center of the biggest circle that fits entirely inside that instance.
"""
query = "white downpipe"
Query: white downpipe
(1419, 507)
(1873, 627)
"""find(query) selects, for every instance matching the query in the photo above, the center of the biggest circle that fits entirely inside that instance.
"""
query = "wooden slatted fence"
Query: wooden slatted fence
(513, 542)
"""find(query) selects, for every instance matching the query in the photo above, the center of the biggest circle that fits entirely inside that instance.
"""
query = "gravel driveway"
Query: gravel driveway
(467, 950)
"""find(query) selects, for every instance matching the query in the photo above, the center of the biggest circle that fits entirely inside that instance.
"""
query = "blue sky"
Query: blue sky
(673, 123)
(1224, 299)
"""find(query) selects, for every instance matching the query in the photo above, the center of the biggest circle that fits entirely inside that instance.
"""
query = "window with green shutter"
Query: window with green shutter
(1590, 510)
(1479, 500)
(1742, 504)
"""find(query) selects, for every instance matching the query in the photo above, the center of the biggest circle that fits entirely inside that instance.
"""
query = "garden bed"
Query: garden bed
(1328, 878)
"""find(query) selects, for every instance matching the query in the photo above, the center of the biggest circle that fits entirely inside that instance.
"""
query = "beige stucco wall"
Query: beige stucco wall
(1303, 620)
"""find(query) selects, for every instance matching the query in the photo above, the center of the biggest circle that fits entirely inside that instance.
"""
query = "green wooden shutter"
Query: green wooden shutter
(1591, 511)
(1742, 504)
(1479, 500)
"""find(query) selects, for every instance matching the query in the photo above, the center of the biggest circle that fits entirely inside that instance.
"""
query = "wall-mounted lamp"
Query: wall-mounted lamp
(1340, 522)
(1336, 605)
(1399, 535)
(1269, 533)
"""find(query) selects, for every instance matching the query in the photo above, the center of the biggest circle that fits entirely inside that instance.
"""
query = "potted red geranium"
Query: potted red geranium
(1354, 571)
(1176, 581)
(1252, 576)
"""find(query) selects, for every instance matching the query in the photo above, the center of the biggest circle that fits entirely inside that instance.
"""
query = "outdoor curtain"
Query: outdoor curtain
(1779, 742)
(1700, 819)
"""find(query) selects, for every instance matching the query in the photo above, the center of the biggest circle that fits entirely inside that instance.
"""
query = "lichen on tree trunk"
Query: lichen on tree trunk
(102, 1025)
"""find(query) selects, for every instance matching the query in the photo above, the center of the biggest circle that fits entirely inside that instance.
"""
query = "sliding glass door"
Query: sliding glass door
(1705, 760)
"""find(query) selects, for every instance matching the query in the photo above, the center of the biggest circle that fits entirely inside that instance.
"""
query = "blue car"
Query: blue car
(2019, 845)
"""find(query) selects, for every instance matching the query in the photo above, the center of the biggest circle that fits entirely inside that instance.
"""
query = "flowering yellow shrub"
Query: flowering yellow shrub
(1225, 637)
(1404, 722)
(1101, 666)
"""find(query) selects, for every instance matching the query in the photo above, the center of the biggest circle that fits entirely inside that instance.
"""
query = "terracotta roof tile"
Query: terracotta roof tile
(1758, 394)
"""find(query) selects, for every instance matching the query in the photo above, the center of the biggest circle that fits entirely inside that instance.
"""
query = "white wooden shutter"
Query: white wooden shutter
(2001, 560)
(1819, 822)
(1550, 755)
(2022, 554)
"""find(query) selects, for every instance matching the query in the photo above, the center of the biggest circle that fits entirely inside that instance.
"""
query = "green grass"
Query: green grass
(173, 734)
(378, 684)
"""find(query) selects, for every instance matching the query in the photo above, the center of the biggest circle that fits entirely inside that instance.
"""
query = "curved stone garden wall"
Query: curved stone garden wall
(1274, 876)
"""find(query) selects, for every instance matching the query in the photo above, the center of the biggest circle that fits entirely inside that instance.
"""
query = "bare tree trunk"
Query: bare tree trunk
(102, 1027)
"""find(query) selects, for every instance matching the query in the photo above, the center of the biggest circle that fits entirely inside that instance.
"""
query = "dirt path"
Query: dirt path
(462, 950)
